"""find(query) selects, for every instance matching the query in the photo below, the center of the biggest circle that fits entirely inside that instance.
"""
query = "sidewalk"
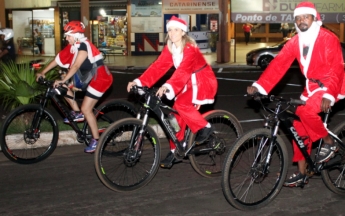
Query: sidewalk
(237, 58)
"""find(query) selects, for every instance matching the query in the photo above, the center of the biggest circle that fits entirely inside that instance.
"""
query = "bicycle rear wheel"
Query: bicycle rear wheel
(207, 158)
(246, 184)
(21, 142)
(120, 166)
(109, 112)
(334, 176)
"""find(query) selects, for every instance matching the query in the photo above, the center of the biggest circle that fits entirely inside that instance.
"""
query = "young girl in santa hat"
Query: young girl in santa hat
(81, 54)
(193, 82)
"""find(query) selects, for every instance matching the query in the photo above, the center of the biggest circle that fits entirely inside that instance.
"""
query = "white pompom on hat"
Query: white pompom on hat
(307, 8)
(177, 22)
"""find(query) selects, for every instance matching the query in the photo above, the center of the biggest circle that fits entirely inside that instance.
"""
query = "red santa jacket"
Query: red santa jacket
(66, 57)
(325, 71)
(193, 73)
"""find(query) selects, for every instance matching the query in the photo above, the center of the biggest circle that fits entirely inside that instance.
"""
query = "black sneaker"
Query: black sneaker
(326, 152)
(295, 180)
(203, 134)
(169, 161)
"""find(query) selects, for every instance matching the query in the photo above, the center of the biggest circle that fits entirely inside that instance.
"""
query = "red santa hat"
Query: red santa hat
(177, 22)
(307, 8)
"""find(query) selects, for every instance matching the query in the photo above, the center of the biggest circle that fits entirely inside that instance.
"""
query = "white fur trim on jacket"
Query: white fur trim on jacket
(329, 97)
(195, 93)
(171, 94)
(261, 90)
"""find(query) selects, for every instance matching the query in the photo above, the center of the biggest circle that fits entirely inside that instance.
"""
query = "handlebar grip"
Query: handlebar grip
(297, 102)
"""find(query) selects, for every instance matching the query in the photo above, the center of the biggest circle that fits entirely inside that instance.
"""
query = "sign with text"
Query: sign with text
(190, 6)
(276, 11)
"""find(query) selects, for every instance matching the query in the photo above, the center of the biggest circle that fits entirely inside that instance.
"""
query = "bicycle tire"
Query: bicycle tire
(109, 112)
(334, 177)
(227, 130)
(119, 173)
(244, 184)
(23, 147)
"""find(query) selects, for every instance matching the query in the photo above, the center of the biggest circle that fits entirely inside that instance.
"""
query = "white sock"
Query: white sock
(172, 150)
(208, 125)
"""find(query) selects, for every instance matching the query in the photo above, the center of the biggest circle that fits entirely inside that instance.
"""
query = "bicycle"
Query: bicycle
(128, 153)
(256, 166)
(30, 132)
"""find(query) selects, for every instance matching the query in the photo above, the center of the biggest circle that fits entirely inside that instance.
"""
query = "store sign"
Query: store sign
(276, 11)
(190, 6)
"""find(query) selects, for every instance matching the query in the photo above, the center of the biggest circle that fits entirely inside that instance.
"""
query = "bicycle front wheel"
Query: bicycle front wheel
(207, 158)
(250, 179)
(25, 139)
(125, 166)
(334, 175)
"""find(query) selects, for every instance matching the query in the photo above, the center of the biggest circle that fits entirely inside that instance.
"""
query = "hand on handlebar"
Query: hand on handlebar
(58, 83)
(130, 85)
(325, 105)
(162, 90)
(38, 75)
(252, 90)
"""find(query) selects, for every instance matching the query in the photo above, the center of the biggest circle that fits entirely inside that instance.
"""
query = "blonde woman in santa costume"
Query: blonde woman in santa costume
(193, 82)
(320, 58)
(81, 54)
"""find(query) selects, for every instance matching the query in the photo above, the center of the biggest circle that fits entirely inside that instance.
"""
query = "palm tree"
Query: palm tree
(18, 84)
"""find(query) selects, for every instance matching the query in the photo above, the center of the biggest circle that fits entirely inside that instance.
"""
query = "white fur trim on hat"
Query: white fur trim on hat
(176, 24)
(304, 10)
(75, 35)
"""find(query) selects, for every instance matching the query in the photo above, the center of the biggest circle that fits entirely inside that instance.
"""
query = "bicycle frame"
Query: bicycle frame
(287, 119)
(153, 103)
(50, 94)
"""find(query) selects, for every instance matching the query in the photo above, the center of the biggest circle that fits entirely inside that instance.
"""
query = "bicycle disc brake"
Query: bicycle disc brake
(132, 154)
(31, 136)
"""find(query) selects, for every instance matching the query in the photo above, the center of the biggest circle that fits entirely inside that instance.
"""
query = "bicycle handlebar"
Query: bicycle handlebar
(46, 82)
(291, 101)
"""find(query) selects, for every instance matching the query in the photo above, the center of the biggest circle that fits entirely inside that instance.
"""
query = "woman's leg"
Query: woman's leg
(87, 109)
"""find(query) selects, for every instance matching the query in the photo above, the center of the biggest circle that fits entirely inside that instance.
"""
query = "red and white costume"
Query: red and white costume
(193, 82)
(323, 63)
(66, 57)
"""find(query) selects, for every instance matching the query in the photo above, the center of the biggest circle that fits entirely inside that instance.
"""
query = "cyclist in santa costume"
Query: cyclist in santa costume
(81, 58)
(319, 54)
(192, 83)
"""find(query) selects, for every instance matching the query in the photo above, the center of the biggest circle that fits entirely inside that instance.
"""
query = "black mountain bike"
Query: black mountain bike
(30, 133)
(256, 166)
(128, 153)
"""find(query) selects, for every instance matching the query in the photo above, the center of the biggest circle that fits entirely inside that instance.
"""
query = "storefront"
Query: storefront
(108, 21)
(33, 31)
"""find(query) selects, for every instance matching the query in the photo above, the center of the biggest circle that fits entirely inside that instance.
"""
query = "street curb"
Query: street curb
(68, 138)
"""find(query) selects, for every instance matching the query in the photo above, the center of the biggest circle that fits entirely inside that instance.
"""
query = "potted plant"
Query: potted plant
(212, 40)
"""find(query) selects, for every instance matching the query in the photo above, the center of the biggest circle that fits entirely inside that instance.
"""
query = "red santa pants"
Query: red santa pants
(311, 126)
(188, 115)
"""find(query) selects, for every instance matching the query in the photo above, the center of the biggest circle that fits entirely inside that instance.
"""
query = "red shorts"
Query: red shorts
(100, 82)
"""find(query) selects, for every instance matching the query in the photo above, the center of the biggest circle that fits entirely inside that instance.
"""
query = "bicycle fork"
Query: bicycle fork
(133, 152)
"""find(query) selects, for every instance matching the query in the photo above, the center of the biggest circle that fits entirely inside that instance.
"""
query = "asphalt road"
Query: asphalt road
(66, 182)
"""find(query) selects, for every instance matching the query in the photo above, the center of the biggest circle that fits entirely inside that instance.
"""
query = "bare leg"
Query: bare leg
(72, 102)
(328, 139)
(302, 165)
(86, 108)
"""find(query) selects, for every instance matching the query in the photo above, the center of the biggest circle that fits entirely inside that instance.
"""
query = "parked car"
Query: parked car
(263, 56)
